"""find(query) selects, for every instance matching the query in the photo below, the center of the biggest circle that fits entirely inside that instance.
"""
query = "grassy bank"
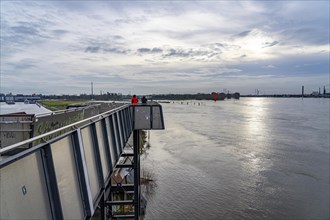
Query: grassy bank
(55, 105)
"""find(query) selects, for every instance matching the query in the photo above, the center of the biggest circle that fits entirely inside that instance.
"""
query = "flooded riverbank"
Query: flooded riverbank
(254, 158)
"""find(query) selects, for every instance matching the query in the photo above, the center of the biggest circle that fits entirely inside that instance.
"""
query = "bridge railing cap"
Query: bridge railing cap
(148, 103)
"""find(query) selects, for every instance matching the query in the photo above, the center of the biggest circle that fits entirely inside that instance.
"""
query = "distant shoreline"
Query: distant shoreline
(174, 97)
(287, 96)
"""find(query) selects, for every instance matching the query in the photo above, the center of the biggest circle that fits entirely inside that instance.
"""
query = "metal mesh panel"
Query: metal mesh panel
(147, 117)
(142, 118)
(157, 118)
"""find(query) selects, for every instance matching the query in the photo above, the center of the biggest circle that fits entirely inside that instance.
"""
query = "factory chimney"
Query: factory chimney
(91, 90)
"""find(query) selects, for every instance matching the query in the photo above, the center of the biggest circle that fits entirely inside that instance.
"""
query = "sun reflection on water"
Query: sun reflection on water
(256, 114)
(253, 156)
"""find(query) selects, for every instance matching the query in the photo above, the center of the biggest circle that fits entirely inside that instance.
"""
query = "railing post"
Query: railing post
(102, 208)
(136, 165)
(52, 183)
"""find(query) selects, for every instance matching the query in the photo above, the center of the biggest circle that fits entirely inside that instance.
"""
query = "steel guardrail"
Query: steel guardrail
(73, 125)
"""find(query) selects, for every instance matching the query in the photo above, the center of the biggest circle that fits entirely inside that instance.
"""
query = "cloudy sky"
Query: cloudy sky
(156, 47)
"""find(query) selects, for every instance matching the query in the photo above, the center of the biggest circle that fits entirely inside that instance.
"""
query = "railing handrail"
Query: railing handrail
(14, 146)
(66, 110)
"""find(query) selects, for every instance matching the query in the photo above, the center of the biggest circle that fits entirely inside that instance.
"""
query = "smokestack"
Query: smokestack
(302, 91)
(92, 90)
(92, 87)
(319, 91)
(324, 90)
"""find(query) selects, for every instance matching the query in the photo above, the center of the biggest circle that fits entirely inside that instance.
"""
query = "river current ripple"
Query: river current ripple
(253, 158)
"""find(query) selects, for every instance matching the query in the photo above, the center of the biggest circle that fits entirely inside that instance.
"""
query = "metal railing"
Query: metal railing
(69, 176)
(64, 177)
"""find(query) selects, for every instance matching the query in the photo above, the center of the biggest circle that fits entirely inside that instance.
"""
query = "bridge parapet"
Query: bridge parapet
(20, 126)
(66, 177)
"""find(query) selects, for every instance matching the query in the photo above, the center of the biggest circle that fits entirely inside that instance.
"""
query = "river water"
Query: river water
(253, 158)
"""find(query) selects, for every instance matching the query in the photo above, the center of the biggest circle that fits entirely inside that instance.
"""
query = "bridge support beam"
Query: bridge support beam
(128, 189)
(143, 117)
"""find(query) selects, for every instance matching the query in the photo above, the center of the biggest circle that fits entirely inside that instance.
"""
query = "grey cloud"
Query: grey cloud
(99, 49)
(116, 50)
(118, 40)
(132, 66)
(35, 27)
(23, 33)
(194, 54)
(307, 35)
(177, 53)
(133, 20)
(205, 53)
(25, 30)
(219, 47)
(268, 66)
(109, 44)
(118, 37)
(243, 34)
(148, 50)
(288, 65)
(156, 50)
(92, 49)
(270, 44)
(219, 44)
(212, 55)
(95, 40)
(59, 32)
(23, 64)
(143, 50)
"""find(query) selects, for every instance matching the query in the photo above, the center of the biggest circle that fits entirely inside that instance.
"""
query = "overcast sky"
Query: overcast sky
(156, 47)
